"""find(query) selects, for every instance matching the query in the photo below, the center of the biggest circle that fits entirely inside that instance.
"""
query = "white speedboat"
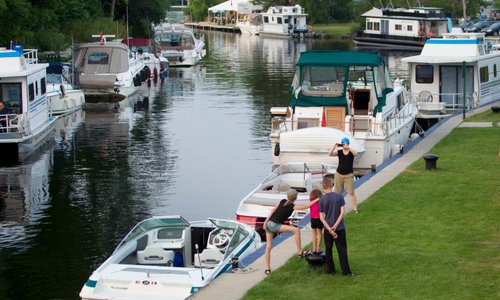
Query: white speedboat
(436, 75)
(178, 44)
(284, 21)
(61, 95)
(347, 93)
(402, 28)
(25, 120)
(255, 207)
(157, 66)
(170, 258)
(108, 71)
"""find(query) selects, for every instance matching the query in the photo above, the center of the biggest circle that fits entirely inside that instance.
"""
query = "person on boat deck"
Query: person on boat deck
(3, 111)
(316, 224)
(344, 174)
(274, 224)
(331, 207)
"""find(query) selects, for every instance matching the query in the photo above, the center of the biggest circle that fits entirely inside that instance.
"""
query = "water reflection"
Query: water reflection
(192, 145)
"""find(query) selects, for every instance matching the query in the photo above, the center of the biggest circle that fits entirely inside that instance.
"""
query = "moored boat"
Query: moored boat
(402, 28)
(348, 93)
(157, 65)
(436, 75)
(62, 97)
(108, 71)
(25, 120)
(254, 208)
(168, 257)
(284, 21)
(178, 44)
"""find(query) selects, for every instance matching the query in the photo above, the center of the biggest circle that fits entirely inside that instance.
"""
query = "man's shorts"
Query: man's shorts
(340, 180)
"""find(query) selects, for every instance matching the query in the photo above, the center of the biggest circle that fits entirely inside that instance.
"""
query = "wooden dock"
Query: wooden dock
(213, 26)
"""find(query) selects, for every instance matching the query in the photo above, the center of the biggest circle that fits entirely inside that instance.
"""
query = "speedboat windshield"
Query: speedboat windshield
(157, 222)
(238, 232)
(300, 168)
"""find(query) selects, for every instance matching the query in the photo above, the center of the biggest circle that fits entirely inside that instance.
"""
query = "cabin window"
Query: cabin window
(307, 122)
(287, 21)
(36, 88)
(494, 70)
(266, 19)
(424, 74)
(31, 91)
(369, 26)
(376, 26)
(43, 86)
(399, 27)
(98, 58)
(279, 20)
(10, 94)
(409, 28)
(483, 74)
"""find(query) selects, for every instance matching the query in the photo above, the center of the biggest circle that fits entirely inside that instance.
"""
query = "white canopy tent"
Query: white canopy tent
(231, 11)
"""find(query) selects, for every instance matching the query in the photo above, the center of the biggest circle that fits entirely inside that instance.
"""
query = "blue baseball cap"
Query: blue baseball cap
(345, 141)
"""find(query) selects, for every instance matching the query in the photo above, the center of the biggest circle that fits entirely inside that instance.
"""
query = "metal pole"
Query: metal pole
(464, 76)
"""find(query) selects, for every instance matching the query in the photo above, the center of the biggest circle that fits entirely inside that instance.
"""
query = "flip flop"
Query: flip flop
(267, 272)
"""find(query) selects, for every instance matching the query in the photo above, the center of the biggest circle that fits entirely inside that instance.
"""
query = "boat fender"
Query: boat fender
(63, 90)
(137, 80)
(277, 149)
(181, 59)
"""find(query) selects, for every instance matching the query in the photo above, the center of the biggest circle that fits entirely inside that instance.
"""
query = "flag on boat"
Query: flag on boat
(102, 39)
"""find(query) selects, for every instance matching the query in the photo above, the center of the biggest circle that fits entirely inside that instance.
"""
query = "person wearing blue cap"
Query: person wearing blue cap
(345, 174)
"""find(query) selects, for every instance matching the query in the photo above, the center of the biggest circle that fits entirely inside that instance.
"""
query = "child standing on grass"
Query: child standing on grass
(316, 225)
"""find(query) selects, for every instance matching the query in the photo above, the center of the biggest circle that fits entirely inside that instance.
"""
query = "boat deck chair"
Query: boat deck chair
(155, 255)
(208, 258)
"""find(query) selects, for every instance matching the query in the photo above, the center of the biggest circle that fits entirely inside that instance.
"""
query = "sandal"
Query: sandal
(302, 254)
(267, 272)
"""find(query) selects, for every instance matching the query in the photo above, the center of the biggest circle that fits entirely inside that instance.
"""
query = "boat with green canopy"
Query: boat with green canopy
(336, 94)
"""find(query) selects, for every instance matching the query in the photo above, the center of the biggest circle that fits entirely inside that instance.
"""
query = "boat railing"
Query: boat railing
(451, 101)
(31, 55)
(10, 123)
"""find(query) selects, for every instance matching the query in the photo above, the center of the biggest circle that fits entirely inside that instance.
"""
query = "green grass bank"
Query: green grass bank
(425, 235)
(335, 31)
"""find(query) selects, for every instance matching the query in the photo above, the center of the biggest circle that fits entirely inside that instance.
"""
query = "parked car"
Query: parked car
(493, 29)
(476, 27)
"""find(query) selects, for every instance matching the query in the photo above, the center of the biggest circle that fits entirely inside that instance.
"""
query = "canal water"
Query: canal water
(195, 147)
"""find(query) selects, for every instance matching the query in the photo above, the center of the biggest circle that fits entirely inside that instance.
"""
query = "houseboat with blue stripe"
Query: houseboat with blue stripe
(25, 120)
(437, 74)
(402, 28)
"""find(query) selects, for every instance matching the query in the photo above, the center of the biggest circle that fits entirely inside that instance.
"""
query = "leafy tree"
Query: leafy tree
(198, 9)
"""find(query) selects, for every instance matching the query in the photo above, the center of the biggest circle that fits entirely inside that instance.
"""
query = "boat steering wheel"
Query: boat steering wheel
(220, 239)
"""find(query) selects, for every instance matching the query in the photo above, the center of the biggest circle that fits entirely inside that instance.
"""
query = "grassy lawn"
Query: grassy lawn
(335, 30)
(487, 116)
(425, 235)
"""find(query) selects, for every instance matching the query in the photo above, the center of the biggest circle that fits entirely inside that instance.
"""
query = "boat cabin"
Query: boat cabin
(284, 20)
(23, 101)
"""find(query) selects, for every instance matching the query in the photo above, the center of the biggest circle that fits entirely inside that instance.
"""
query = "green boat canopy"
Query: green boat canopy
(339, 58)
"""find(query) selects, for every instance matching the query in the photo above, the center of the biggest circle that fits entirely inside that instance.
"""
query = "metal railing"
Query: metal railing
(10, 123)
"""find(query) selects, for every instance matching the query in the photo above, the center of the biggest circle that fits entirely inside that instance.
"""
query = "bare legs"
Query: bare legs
(354, 203)
(269, 242)
(317, 236)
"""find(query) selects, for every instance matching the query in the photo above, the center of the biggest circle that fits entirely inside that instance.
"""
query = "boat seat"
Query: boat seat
(155, 255)
(208, 258)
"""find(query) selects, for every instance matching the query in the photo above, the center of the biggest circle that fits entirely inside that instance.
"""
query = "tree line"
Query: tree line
(55, 24)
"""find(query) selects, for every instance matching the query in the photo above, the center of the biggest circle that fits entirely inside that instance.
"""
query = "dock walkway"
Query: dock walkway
(231, 285)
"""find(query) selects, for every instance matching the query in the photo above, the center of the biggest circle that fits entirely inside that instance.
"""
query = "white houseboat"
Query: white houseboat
(336, 94)
(178, 44)
(402, 28)
(436, 74)
(108, 71)
(284, 21)
(25, 121)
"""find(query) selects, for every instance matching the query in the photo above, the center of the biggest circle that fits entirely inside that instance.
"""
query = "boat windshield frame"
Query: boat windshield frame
(147, 225)
(302, 168)
(241, 233)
